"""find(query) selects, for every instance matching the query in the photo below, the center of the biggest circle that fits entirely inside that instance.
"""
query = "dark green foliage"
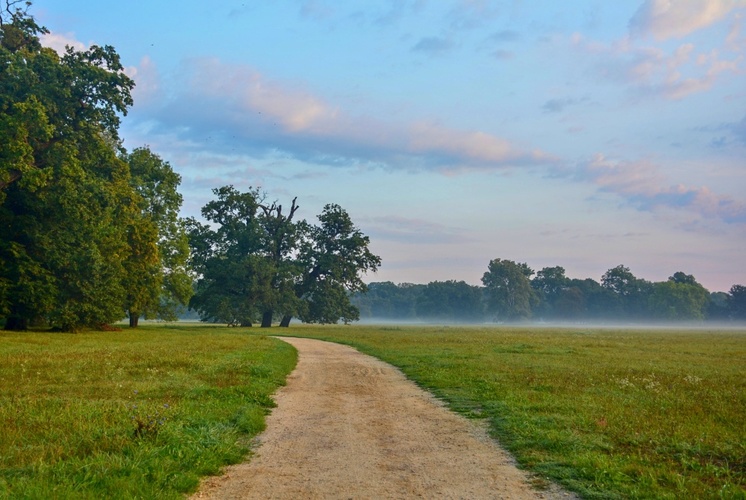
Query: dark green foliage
(64, 194)
(450, 301)
(509, 293)
(88, 230)
(555, 298)
(258, 263)
(157, 278)
(679, 298)
(737, 302)
(387, 300)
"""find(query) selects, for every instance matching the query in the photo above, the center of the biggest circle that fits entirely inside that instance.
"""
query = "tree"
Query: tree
(683, 278)
(331, 260)
(65, 198)
(679, 300)
(509, 292)
(450, 301)
(737, 302)
(232, 275)
(630, 294)
(259, 262)
(48, 101)
(718, 309)
(549, 284)
(386, 300)
(157, 279)
(595, 299)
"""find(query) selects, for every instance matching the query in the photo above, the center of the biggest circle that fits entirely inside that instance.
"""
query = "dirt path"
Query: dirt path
(350, 426)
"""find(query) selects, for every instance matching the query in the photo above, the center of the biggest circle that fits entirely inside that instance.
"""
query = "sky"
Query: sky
(585, 134)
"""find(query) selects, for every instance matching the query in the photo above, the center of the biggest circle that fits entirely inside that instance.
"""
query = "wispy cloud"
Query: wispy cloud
(415, 231)
(559, 105)
(220, 103)
(503, 36)
(433, 45)
(643, 187)
(739, 130)
(469, 14)
(147, 81)
(652, 71)
(316, 9)
(664, 19)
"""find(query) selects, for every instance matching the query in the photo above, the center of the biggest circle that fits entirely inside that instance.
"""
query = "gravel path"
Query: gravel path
(350, 426)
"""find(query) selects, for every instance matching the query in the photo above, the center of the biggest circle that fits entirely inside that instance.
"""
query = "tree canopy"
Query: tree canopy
(79, 246)
(509, 292)
(257, 262)
(554, 297)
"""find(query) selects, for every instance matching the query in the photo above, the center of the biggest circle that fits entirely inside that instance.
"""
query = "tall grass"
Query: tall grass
(139, 413)
(609, 414)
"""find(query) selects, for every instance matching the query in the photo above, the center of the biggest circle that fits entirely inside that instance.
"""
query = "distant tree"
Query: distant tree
(737, 302)
(258, 262)
(450, 301)
(718, 309)
(596, 300)
(570, 303)
(620, 281)
(550, 283)
(235, 272)
(630, 294)
(158, 281)
(683, 278)
(386, 300)
(679, 299)
(508, 289)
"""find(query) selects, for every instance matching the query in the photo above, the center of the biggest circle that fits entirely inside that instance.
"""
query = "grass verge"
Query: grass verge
(135, 414)
(607, 413)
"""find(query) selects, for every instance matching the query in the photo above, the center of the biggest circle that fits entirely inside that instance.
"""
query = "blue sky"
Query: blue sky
(584, 134)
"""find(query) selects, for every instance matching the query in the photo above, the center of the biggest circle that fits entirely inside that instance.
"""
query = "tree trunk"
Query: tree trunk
(267, 319)
(285, 321)
(16, 323)
(134, 319)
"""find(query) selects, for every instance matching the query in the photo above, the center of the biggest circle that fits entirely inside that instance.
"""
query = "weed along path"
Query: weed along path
(350, 426)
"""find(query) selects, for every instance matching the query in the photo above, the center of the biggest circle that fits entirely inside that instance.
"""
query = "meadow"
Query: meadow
(607, 413)
(134, 414)
(147, 412)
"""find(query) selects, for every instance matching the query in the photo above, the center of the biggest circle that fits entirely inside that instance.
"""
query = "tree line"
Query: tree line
(512, 292)
(91, 232)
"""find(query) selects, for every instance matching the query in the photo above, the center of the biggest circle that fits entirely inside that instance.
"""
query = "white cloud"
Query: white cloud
(59, 42)
(651, 71)
(664, 19)
(147, 81)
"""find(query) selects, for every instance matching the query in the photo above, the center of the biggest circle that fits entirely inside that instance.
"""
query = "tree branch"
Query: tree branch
(14, 176)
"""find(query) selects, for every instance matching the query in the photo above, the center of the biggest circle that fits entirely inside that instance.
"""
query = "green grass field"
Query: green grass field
(132, 414)
(608, 413)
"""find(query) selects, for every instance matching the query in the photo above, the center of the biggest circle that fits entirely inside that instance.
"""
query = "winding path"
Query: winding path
(350, 426)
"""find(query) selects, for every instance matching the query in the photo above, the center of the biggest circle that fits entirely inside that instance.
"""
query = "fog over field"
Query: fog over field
(578, 326)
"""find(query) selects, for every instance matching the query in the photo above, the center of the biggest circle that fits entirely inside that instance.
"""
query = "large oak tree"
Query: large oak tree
(65, 198)
(87, 230)
(257, 262)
